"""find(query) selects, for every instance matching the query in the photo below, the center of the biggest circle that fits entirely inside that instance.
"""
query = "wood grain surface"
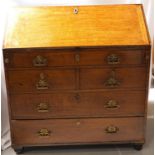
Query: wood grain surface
(65, 64)
(77, 131)
(78, 104)
(23, 58)
(61, 27)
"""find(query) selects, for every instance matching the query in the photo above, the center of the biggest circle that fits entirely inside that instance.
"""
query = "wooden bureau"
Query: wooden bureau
(77, 75)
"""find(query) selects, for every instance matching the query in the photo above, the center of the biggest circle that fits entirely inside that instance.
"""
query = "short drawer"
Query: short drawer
(41, 80)
(101, 78)
(82, 104)
(39, 58)
(72, 131)
(99, 56)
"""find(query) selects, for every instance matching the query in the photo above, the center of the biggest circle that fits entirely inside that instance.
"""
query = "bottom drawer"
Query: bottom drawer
(72, 131)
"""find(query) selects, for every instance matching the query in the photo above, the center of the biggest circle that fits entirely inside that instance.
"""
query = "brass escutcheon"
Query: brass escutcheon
(77, 57)
(42, 83)
(112, 81)
(77, 96)
(78, 123)
(75, 11)
(6, 60)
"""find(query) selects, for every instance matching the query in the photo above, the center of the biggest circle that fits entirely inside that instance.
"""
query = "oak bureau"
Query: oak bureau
(77, 75)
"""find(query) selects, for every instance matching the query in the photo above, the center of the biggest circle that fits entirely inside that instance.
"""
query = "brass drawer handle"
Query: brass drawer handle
(44, 132)
(43, 107)
(39, 61)
(113, 59)
(42, 83)
(111, 129)
(111, 104)
(112, 81)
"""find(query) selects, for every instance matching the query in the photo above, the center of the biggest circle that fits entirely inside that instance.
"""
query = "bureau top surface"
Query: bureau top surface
(74, 26)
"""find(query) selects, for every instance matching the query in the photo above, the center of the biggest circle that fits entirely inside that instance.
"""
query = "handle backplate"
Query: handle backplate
(112, 104)
(113, 59)
(39, 61)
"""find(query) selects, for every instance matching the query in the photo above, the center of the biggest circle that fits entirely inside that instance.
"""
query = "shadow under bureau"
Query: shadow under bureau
(77, 75)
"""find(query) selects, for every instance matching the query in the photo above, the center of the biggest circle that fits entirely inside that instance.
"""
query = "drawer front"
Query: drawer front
(101, 56)
(99, 78)
(73, 105)
(39, 58)
(69, 131)
(68, 57)
(41, 80)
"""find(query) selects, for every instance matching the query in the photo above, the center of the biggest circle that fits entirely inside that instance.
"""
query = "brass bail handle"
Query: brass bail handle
(43, 107)
(111, 129)
(44, 132)
(112, 104)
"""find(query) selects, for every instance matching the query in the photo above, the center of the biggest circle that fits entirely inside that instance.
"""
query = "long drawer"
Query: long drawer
(88, 78)
(36, 58)
(77, 105)
(72, 131)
